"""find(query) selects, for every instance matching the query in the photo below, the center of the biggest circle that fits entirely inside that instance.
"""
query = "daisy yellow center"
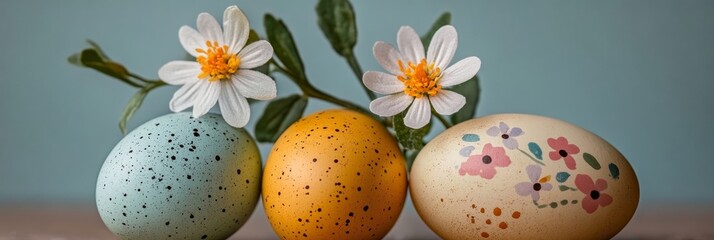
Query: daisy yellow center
(216, 62)
(419, 79)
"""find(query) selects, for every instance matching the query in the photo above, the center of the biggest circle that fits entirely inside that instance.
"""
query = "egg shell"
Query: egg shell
(517, 176)
(335, 174)
(178, 177)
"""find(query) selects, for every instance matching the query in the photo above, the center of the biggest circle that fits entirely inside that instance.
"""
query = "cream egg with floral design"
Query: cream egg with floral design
(476, 180)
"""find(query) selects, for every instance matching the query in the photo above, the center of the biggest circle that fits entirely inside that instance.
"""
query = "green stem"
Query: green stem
(130, 82)
(538, 205)
(567, 187)
(442, 120)
(531, 157)
(311, 91)
(281, 69)
(153, 84)
(140, 78)
(316, 93)
(357, 70)
(301, 81)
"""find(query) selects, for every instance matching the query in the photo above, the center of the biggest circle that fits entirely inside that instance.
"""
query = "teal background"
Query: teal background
(637, 73)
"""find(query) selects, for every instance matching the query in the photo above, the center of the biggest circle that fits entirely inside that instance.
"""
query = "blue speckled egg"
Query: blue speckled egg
(178, 177)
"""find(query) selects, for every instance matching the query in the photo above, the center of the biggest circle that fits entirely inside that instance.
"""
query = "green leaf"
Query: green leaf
(535, 149)
(444, 19)
(411, 139)
(130, 109)
(470, 137)
(614, 171)
(561, 177)
(337, 21)
(134, 104)
(563, 188)
(75, 59)
(471, 91)
(99, 50)
(94, 58)
(278, 116)
(590, 159)
(282, 41)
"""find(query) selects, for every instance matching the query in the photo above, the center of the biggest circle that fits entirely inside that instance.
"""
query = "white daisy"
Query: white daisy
(416, 80)
(221, 72)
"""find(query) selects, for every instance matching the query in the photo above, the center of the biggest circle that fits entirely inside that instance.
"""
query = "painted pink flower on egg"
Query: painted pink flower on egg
(563, 150)
(594, 196)
(485, 164)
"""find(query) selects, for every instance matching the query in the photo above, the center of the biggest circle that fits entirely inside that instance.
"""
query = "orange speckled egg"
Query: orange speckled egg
(335, 174)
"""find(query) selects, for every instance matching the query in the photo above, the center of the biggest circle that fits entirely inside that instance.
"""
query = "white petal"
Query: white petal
(383, 83)
(191, 40)
(209, 28)
(410, 44)
(186, 96)
(254, 84)
(460, 72)
(387, 56)
(207, 98)
(255, 54)
(179, 72)
(419, 114)
(390, 105)
(234, 107)
(236, 29)
(442, 47)
(447, 102)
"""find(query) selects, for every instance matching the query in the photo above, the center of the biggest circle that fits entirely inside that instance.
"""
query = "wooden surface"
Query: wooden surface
(83, 222)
